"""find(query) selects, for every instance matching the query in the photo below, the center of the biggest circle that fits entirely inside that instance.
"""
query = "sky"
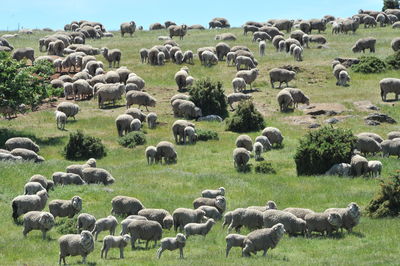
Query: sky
(55, 14)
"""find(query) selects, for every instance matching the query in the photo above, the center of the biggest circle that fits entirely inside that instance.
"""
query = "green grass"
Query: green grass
(209, 164)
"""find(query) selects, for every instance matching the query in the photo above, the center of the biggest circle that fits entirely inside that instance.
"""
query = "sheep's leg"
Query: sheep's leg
(159, 252)
(265, 252)
(44, 234)
(84, 259)
(147, 244)
(121, 252)
(228, 248)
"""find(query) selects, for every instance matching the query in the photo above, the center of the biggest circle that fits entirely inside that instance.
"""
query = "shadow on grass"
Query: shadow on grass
(107, 107)
(6, 134)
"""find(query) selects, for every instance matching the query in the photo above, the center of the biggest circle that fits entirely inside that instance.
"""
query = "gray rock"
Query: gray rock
(382, 118)
(332, 121)
(314, 125)
(210, 118)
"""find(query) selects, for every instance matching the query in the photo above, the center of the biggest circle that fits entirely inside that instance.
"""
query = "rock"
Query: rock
(382, 118)
(210, 118)
(347, 62)
(372, 123)
(332, 121)
(366, 106)
(325, 109)
(315, 125)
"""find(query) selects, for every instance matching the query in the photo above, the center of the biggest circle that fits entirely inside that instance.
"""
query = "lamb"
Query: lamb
(68, 108)
(336, 71)
(246, 61)
(93, 175)
(19, 142)
(281, 46)
(350, 215)
(219, 202)
(123, 205)
(389, 85)
(108, 223)
(21, 53)
(274, 135)
(68, 90)
(26, 203)
(152, 120)
(244, 141)
(172, 243)
(359, 165)
(61, 178)
(263, 239)
(281, 75)
(135, 125)
(285, 100)
(248, 75)
(213, 193)
(237, 97)
(127, 221)
(183, 216)
(241, 156)
(198, 228)
(76, 244)
(344, 77)
(298, 53)
(123, 123)
(78, 168)
(227, 219)
(61, 119)
(293, 225)
(112, 56)
(178, 128)
(364, 43)
(64, 208)
(188, 57)
(211, 212)
(258, 149)
(265, 142)
(144, 55)
(391, 147)
(150, 153)
(238, 85)
(161, 216)
(190, 134)
(367, 145)
(140, 98)
(298, 96)
(115, 242)
(85, 221)
(31, 188)
(145, 230)
(166, 150)
(374, 168)
(230, 57)
(341, 169)
(47, 184)
(234, 240)
(395, 44)
(27, 155)
(37, 220)
(299, 212)
(109, 92)
(251, 218)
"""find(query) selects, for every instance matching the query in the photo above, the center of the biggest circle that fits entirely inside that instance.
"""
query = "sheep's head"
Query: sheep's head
(279, 229)
(211, 221)
(50, 185)
(42, 194)
(197, 112)
(168, 222)
(87, 242)
(91, 162)
(126, 238)
(222, 191)
(306, 100)
(301, 225)
(77, 203)
(355, 49)
(46, 220)
(335, 219)
(354, 210)
(110, 180)
(180, 238)
(152, 102)
(271, 205)
(220, 202)
(200, 214)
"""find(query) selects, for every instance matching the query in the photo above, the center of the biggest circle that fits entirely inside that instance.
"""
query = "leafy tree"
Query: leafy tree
(82, 147)
(390, 4)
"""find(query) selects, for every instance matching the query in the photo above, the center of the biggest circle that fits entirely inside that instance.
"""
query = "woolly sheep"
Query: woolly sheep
(364, 43)
(213, 193)
(244, 60)
(78, 168)
(93, 175)
(389, 85)
(144, 55)
(323, 222)
(166, 150)
(238, 84)
(161, 216)
(112, 56)
(187, 109)
(298, 53)
(234, 240)
(123, 123)
(393, 135)
(274, 135)
(108, 223)
(37, 220)
(299, 212)
(367, 145)
(150, 154)
(251, 218)
(189, 133)
(127, 221)
(47, 184)
(140, 98)
(209, 58)
(25, 203)
(293, 225)
(9, 157)
(211, 212)
(263, 239)
(276, 40)
(219, 202)
(64, 208)
(244, 141)
(127, 27)
(241, 156)
(270, 205)
(135, 125)
(227, 219)
(341, 169)
(61, 119)
(31, 188)
(395, 44)
(248, 75)
(152, 120)
(85, 221)
(112, 77)
(237, 97)
(265, 142)
(178, 128)
(123, 205)
(61, 178)
(285, 100)
(391, 147)
(374, 168)
(115, 242)
(263, 36)
(19, 142)
(198, 228)
(183, 216)
(359, 165)
(76, 244)
(298, 96)
(350, 215)
(281, 75)
(175, 30)
(281, 46)
(374, 136)
(344, 77)
(258, 149)
(172, 243)
(21, 53)
(27, 155)
(225, 37)
(68, 108)
(145, 230)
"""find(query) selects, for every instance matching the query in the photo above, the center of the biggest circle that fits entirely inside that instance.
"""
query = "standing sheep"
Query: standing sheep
(115, 242)
(251, 218)
(211, 212)
(359, 165)
(61, 119)
(93, 175)
(395, 44)
(68, 108)
(31, 188)
(190, 134)
(135, 125)
(144, 55)
(298, 53)
(274, 135)
(374, 168)
(108, 223)
(367, 145)
(241, 156)
(145, 230)
(26, 203)
(350, 215)
(64, 208)
(19, 142)
(161, 216)
(85, 221)
(112, 56)
(127, 221)
(213, 193)
(152, 120)
(178, 128)
(281, 75)
(76, 244)
(391, 147)
(150, 154)
(128, 27)
(47, 184)
(344, 77)
(249, 76)
(364, 43)
(172, 243)
(37, 220)
(198, 228)
(166, 150)
(299, 212)
(234, 240)
(323, 222)
(183, 216)
(244, 141)
(258, 149)
(219, 202)
(140, 98)
(123, 123)
(263, 239)
(265, 142)
(390, 85)
(123, 205)
(285, 100)
(61, 178)
(109, 92)
(21, 53)
(238, 84)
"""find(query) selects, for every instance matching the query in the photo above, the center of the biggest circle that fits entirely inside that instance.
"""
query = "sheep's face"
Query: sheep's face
(46, 220)
(279, 229)
(87, 242)
(77, 203)
(197, 112)
(152, 102)
(355, 49)
(200, 214)
(222, 191)
(126, 238)
(271, 205)
(91, 162)
(220, 202)
(180, 238)
(211, 221)
(354, 210)
(168, 222)
(306, 100)
(335, 219)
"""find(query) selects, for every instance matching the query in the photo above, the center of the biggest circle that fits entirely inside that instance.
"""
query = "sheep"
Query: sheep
(92, 175)
(68, 108)
(265, 142)
(391, 147)
(222, 49)
(190, 134)
(61, 178)
(78, 168)
(150, 154)
(64, 208)
(248, 75)
(395, 44)
(364, 43)
(145, 230)
(234, 240)
(183, 216)
(241, 156)
(85, 221)
(238, 85)
(128, 27)
(135, 125)
(396, 25)
(336, 71)
(112, 77)
(123, 123)
(144, 55)
(198, 228)
(369, 21)
(298, 96)
(276, 40)
(112, 56)
(213, 193)
(263, 239)
(187, 109)
(251, 218)
(31, 188)
(258, 149)
(263, 36)
(359, 165)
(244, 60)
(27, 155)
(178, 128)
(350, 215)
(47, 184)
(166, 150)
(172, 243)
(293, 225)
(285, 100)
(161, 216)
(227, 219)
(244, 141)
(160, 58)
(249, 28)
(389, 85)
(127, 221)
(281, 75)
(299, 212)
(209, 58)
(393, 135)
(298, 53)
(21, 53)
(281, 46)
(115, 242)
(344, 77)
(237, 97)
(92, 66)
(261, 48)
(188, 57)
(104, 224)
(341, 169)
(20, 142)
(219, 202)
(123, 205)
(76, 244)
(61, 119)
(225, 37)
(140, 98)
(37, 220)
(323, 222)
(109, 92)
(230, 57)
(270, 205)
(175, 30)
(367, 145)
(26, 203)
(374, 168)
(152, 120)
(211, 212)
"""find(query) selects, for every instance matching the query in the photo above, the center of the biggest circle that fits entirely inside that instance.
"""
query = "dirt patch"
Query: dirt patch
(303, 120)
(324, 109)
(365, 106)
(264, 109)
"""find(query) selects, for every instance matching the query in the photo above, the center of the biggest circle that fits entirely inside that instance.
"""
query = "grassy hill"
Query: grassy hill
(209, 164)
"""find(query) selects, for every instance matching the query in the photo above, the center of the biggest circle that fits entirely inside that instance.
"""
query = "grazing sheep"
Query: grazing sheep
(144, 55)
(213, 193)
(293, 225)
(145, 230)
(225, 37)
(128, 27)
(27, 155)
(285, 100)
(281, 75)
(68, 90)
(276, 40)
(227, 219)
(271, 205)
(265, 142)
(19, 142)
(78, 168)
(64, 208)
(26, 203)
(367, 145)
(166, 150)
(160, 58)
(188, 57)
(241, 156)
(187, 109)
(393, 135)
(263, 239)
(190, 134)
(208, 58)
(172, 243)
(323, 222)
(198, 228)
(21, 53)
(299, 212)
(274, 135)
(395, 44)
(140, 98)
(248, 75)
(238, 85)
(61, 178)
(222, 49)
(391, 147)
(251, 218)
(281, 46)
(261, 48)
(336, 71)
(112, 77)
(123, 205)
(298, 53)
(258, 149)
(127, 221)
(85, 221)
(263, 36)
(374, 136)
(183, 216)
(123, 123)
(37, 220)
(341, 169)
(219, 202)
(135, 125)
(344, 77)
(389, 85)
(152, 120)
(150, 153)
(112, 56)
(76, 244)
(244, 141)
(359, 165)
(350, 215)
(115, 242)
(211, 212)
(178, 128)
(298, 96)
(136, 114)
(246, 61)
(237, 97)
(109, 92)
(31, 188)
(161, 216)
(68, 108)
(61, 119)
(47, 184)
(374, 168)
(234, 240)
(364, 43)
(93, 175)
(108, 223)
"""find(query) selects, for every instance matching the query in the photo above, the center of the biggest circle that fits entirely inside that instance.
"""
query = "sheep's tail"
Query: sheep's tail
(15, 210)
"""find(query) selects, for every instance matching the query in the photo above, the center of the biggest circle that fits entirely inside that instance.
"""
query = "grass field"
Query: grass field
(209, 164)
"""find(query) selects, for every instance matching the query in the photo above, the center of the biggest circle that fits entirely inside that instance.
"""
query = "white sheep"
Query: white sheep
(37, 220)
(150, 153)
(261, 47)
(249, 76)
(258, 149)
(298, 53)
(374, 168)
(238, 84)
(234, 240)
(61, 119)
(31, 188)
(344, 77)
(172, 243)
(63, 208)
(189, 133)
(76, 244)
(198, 229)
(115, 242)
(85, 221)
(213, 193)
(103, 224)
(25, 203)
(135, 125)
(152, 120)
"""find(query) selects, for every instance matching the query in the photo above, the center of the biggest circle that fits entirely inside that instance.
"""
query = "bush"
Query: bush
(66, 226)
(387, 202)
(209, 96)
(132, 139)
(369, 64)
(390, 4)
(264, 168)
(320, 149)
(204, 135)
(246, 118)
(81, 147)
(393, 61)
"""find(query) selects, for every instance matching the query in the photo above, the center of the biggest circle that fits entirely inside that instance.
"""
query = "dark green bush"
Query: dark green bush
(246, 118)
(209, 96)
(264, 168)
(66, 226)
(390, 4)
(81, 147)
(244, 169)
(369, 64)
(204, 135)
(393, 61)
(320, 149)
(387, 202)
(132, 139)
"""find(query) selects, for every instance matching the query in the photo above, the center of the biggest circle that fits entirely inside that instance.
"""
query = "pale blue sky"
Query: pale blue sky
(55, 14)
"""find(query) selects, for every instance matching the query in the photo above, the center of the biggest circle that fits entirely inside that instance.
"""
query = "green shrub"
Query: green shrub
(369, 64)
(209, 96)
(393, 61)
(132, 139)
(390, 4)
(387, 202)
(246, 118)
(204, 135)
(244, 169)
(264, 168)
(320, 149)
(66, 226)
(81, 147)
